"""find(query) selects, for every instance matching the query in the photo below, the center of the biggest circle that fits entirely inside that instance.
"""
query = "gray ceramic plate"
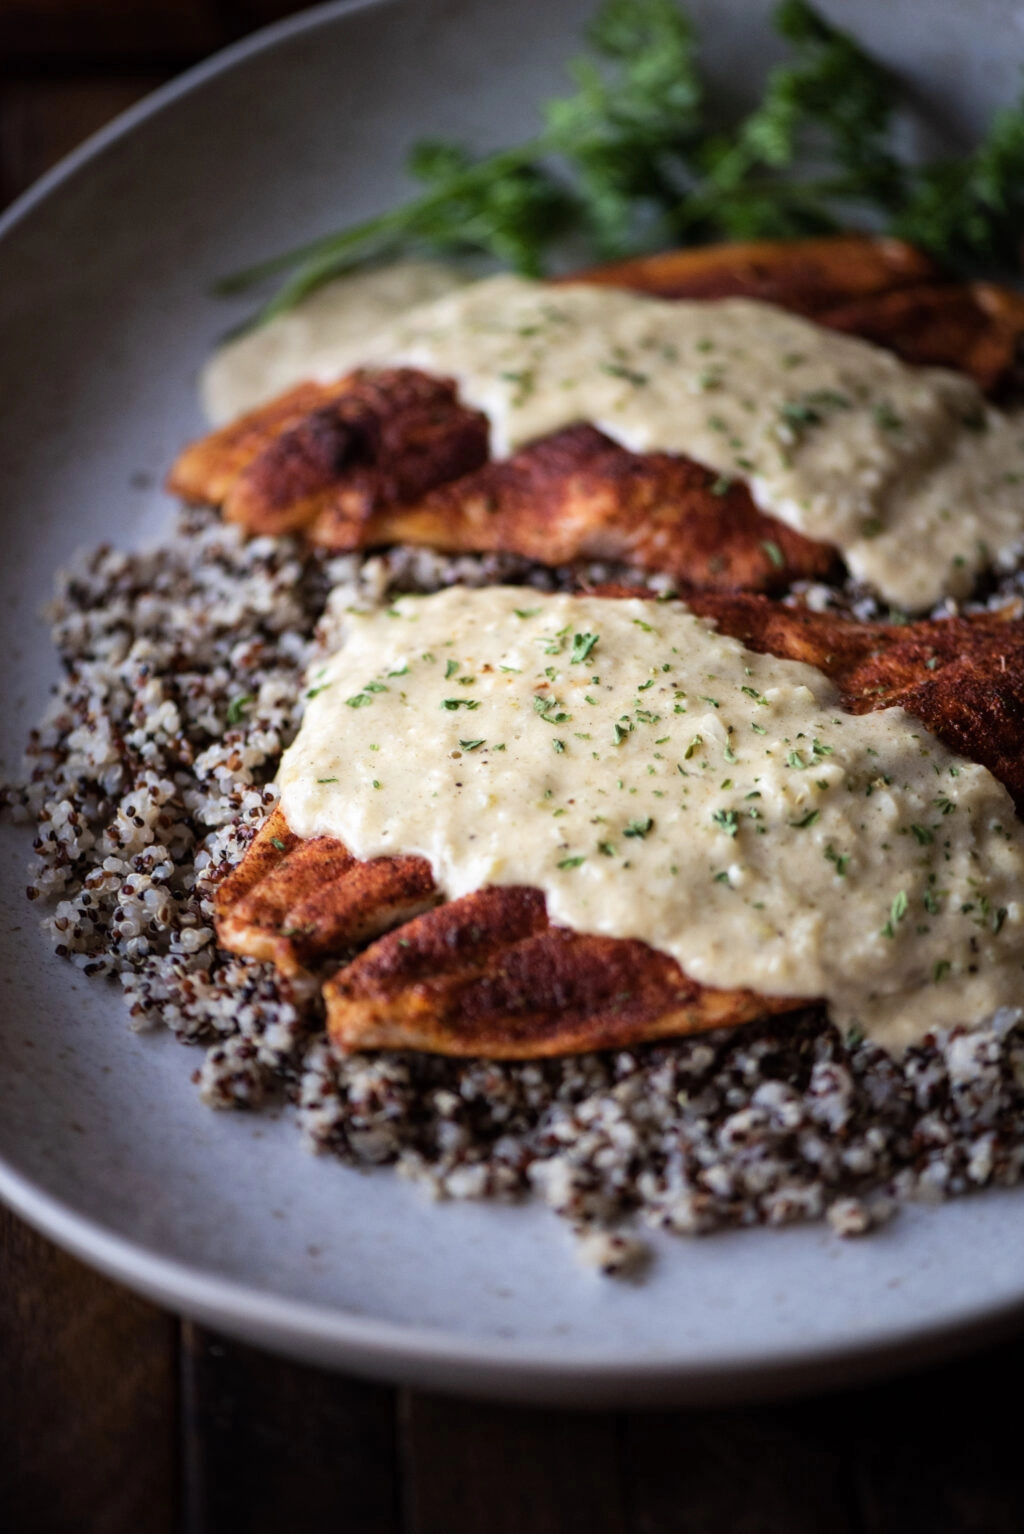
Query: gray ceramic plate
(105, 317)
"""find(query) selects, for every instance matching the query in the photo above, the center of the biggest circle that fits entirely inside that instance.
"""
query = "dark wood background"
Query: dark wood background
(117, 1418)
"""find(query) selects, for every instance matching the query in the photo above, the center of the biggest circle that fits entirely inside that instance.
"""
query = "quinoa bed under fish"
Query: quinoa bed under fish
(182, 683)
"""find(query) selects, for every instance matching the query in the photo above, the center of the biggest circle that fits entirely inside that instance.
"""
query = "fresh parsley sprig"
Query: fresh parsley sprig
(971, 210)
(629, 130)
(603, 153)
(629, 161)
(818, 141)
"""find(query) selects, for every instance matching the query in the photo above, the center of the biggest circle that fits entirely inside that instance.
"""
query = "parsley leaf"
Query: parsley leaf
(546, 707)
(639, 828)
(727, 821)
(897, 911)
(633, 156)
(972, 209)
(840, 859)
(583, 646)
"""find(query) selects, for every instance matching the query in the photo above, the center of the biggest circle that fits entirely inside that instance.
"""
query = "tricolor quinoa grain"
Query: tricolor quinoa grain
(151, 772)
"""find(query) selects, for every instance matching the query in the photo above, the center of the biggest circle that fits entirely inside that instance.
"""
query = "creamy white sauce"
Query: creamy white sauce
(904, 469)
(657, 780)
(335, 321)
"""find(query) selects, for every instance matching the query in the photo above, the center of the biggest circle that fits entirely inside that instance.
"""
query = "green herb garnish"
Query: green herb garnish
(886, 417)
(545, 708)
(897, 911)
(639, 828)
(841, 860)
(635, 157)
(727, 821)
(583, 646)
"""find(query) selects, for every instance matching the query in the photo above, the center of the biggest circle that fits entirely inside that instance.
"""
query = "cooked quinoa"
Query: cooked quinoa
(151, 772)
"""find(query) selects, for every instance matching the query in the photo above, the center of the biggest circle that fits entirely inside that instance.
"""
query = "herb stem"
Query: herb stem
(631, 157)
(330, 254)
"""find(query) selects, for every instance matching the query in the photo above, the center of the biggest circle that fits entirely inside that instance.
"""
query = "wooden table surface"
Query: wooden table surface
(117, 1418)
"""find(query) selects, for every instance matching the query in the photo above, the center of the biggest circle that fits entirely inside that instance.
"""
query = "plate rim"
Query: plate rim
(182, 84)
(494, 1368)
(333, 1337)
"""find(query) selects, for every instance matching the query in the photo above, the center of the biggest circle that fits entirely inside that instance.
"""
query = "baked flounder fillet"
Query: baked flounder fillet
(577, 495)
(390, 457)
(488, 974)
(882, 290)
(363, 443)
(294, 903)
(363, 469)
(962, 677)
(484, 975)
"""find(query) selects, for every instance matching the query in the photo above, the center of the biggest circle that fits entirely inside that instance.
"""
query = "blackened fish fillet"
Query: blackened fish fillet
(488, 974)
